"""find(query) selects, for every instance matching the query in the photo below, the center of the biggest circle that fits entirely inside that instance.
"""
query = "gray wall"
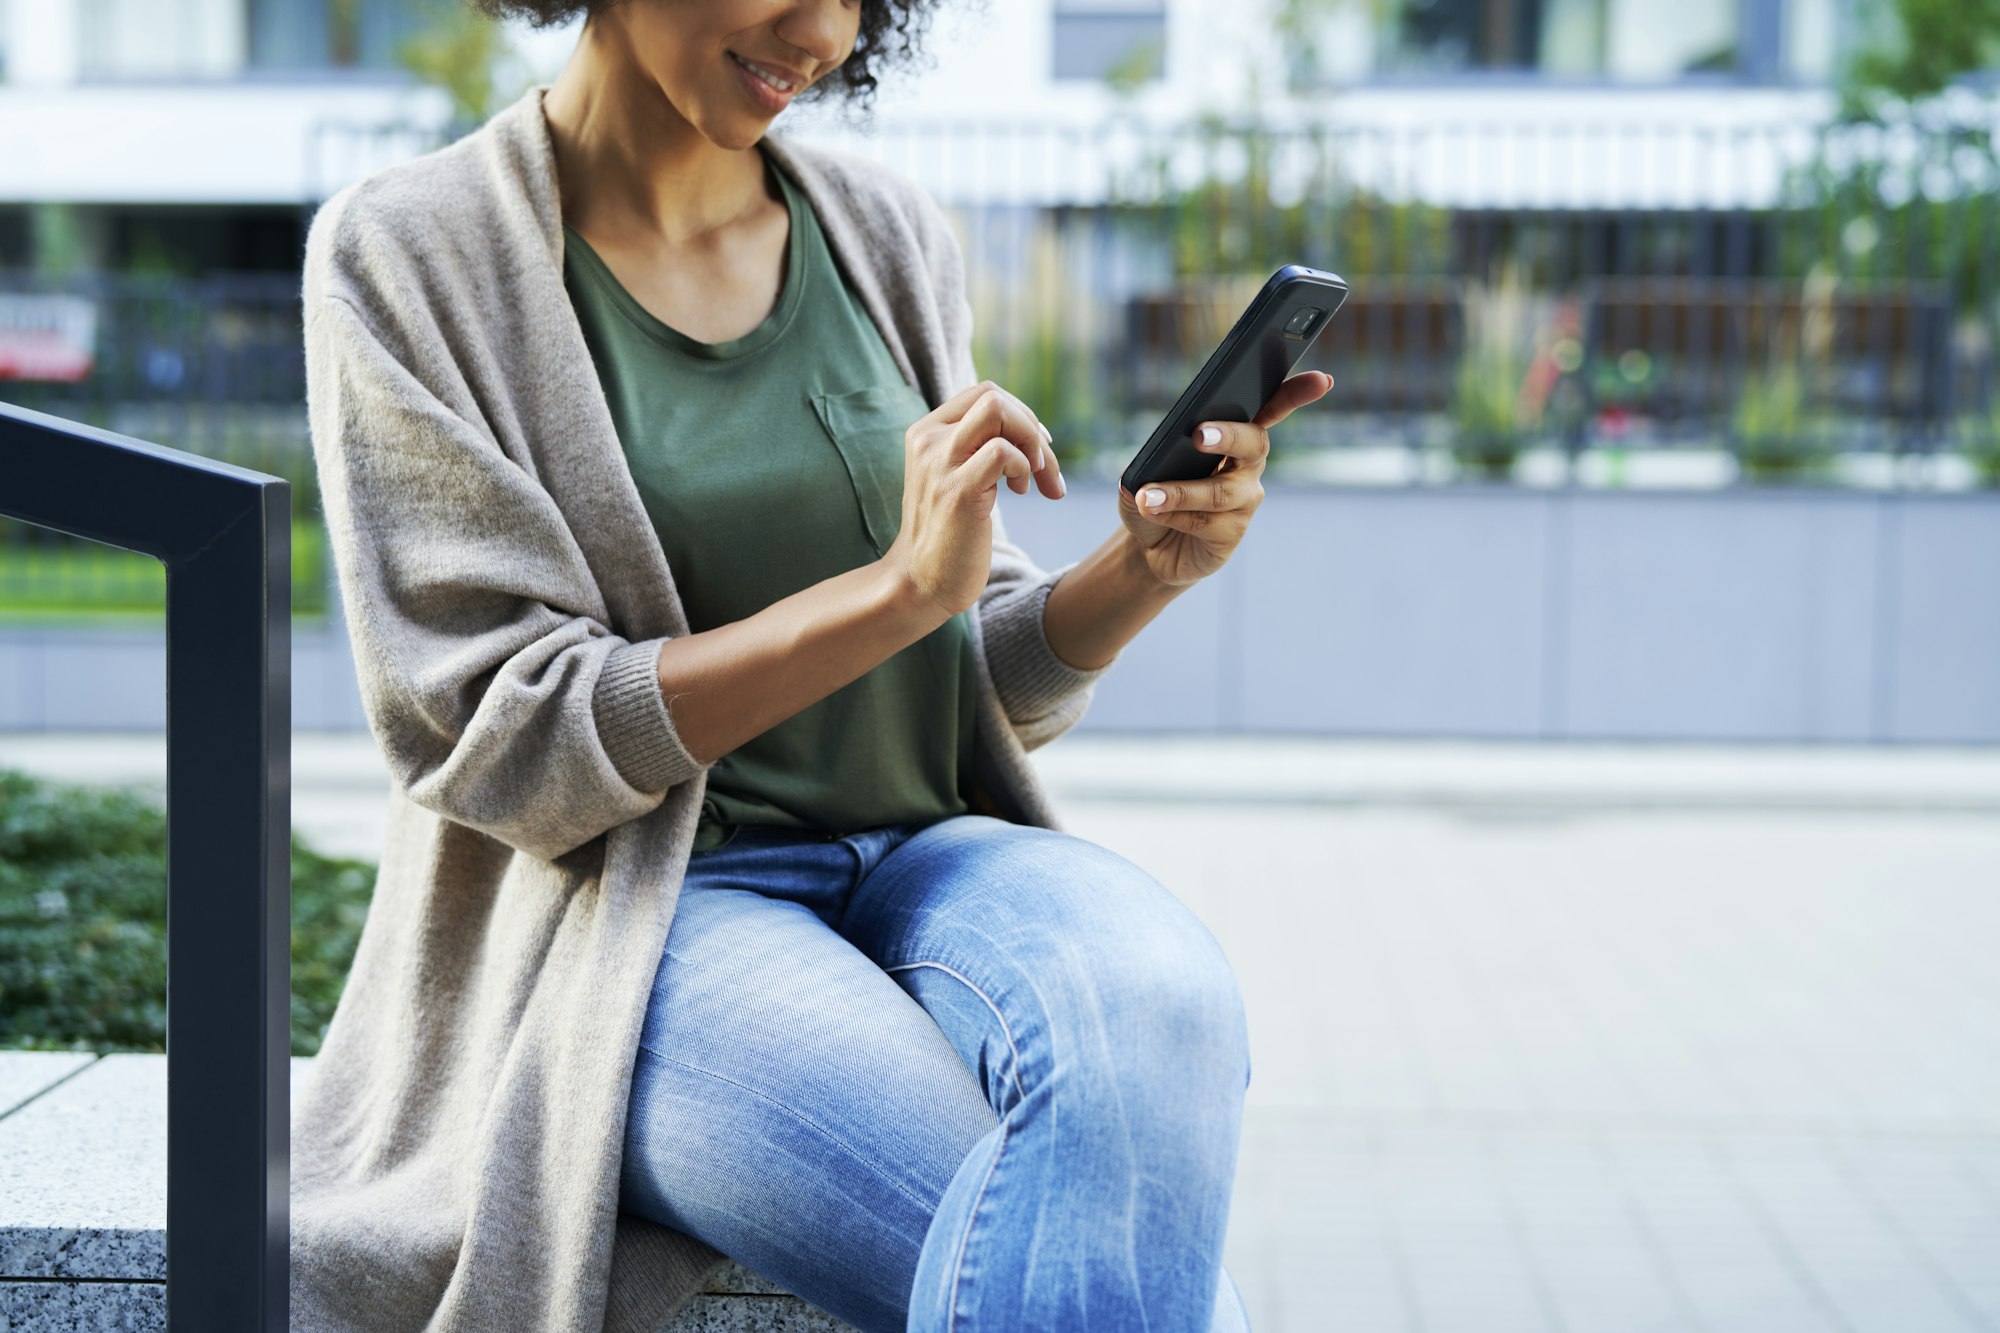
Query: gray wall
(1748, 615)
(1755, 615)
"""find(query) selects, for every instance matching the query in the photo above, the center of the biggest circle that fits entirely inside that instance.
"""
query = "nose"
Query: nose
(822, 29)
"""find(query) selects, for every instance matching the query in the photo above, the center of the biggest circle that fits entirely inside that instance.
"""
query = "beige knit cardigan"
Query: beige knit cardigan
(456, 1148)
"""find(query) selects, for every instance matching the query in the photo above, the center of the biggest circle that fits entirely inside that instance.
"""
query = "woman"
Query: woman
(721, 910)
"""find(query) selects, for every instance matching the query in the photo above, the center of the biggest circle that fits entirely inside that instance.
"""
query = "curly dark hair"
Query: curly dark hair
(891, 37)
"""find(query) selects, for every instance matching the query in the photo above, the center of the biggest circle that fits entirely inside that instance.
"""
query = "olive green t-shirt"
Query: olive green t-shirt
(767, 464)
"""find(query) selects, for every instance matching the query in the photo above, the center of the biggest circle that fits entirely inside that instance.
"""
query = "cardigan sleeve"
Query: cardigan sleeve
(498, 699)
(1042, 695)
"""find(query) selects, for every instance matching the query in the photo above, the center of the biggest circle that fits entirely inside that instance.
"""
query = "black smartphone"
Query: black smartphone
(1245, 369)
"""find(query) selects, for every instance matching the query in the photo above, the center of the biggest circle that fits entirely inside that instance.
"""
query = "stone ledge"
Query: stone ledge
(83, 1149)
(82, 1307)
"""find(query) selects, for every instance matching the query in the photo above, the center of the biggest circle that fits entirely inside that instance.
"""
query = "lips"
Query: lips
(773, 83)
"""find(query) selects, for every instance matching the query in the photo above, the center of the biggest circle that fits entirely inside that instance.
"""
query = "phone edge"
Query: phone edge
(1226, 348)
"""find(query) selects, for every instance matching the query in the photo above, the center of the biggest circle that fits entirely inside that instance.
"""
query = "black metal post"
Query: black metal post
(224, 534)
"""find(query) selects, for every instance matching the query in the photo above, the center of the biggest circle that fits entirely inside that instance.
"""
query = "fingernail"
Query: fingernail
(1152, 497)
(1210, 437)
(1062, 487)
(1046, 437)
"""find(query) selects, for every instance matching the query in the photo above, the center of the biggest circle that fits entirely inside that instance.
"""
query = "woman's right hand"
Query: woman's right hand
(953, 460)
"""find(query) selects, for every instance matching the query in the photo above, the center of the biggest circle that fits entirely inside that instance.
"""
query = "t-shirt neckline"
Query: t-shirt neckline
(790, 295)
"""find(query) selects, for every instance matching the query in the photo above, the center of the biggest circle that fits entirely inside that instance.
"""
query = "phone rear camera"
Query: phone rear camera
(1299, 325)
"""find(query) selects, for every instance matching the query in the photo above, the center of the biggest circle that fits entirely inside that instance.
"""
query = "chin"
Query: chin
(731, 127)
(738, 134)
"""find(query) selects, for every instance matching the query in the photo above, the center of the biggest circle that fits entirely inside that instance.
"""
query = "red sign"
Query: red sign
(46, 337)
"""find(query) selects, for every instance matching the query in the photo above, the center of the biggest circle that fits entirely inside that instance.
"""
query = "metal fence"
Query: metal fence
(1779, 298)
(1780, 295)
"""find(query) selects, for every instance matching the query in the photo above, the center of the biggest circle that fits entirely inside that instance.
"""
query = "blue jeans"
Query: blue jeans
(960, 1077)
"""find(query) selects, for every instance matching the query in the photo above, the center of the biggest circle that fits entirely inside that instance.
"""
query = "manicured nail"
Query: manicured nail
(1152, 497)
(1210, 437)
(1046, 437)
(1062, 487)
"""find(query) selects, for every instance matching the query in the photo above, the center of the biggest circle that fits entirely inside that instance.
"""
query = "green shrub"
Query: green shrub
(83, 921)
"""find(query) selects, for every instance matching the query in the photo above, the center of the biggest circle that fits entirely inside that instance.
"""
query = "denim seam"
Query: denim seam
(1012, 1048)
(965, 1237)
(831, 1137)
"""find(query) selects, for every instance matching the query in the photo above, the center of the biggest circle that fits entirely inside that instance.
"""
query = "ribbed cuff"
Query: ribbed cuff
(632, 721)
(1030, 679)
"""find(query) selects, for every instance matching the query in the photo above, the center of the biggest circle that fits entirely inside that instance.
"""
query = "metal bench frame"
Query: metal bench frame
(224, 534)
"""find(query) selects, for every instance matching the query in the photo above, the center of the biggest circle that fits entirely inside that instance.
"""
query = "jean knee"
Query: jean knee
(1177, 989)
(1207, 1002)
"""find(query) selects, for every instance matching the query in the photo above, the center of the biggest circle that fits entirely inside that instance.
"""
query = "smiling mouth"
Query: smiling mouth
(770, 80)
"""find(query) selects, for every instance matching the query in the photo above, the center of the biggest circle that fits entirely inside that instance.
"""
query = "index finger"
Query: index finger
(1307, 387)
(995, 413)
(953, 409)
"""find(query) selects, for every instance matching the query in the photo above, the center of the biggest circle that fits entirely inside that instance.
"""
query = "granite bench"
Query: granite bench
(83, 1158)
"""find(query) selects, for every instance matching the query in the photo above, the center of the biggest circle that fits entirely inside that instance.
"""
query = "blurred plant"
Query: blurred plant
(1915, 49)
(83, 947)
(1899, 179)
(57, 240)
(1897, 203)
(1301, 26)
(1496, 402)
(1776, 426)
(463, 53)
(1979, 441)
(150, 257)
(1234, 196)
(1052, 364)
(1768, 422)
(1135, 69)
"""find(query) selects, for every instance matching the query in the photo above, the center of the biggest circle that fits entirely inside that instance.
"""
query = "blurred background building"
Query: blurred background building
(1665, 401)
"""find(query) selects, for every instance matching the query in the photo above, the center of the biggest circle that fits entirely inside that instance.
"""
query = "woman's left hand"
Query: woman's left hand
(1197, 524)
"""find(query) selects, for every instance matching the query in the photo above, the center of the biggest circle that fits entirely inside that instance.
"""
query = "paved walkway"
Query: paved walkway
(1578, 1039)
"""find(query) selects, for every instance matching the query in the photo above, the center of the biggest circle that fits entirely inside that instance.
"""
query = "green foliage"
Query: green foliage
(1775, 426)
(83, 950)
(1261, 196)
(1052, 373)
(1136, 68)
(150, 257)
(1488, 414)
(45, 577)
(330, 897)
(1979, 440)
(57, 240)
(1920, 213)
(1486, 433)
(1918, 49)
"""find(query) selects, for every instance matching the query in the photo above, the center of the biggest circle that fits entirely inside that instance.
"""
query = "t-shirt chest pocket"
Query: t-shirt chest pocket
(866, 427)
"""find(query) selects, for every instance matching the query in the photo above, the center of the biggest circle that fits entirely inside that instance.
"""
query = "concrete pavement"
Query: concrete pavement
(1578, 1039)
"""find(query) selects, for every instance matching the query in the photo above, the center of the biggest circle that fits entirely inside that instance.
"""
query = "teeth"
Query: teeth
(779, 84)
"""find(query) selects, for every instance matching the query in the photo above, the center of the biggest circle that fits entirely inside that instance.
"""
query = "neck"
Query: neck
(628, 161)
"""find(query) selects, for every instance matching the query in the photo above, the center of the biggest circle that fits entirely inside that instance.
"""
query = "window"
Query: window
(1119, 40)
(119, 39)
(1637, 40)
(334, 34)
